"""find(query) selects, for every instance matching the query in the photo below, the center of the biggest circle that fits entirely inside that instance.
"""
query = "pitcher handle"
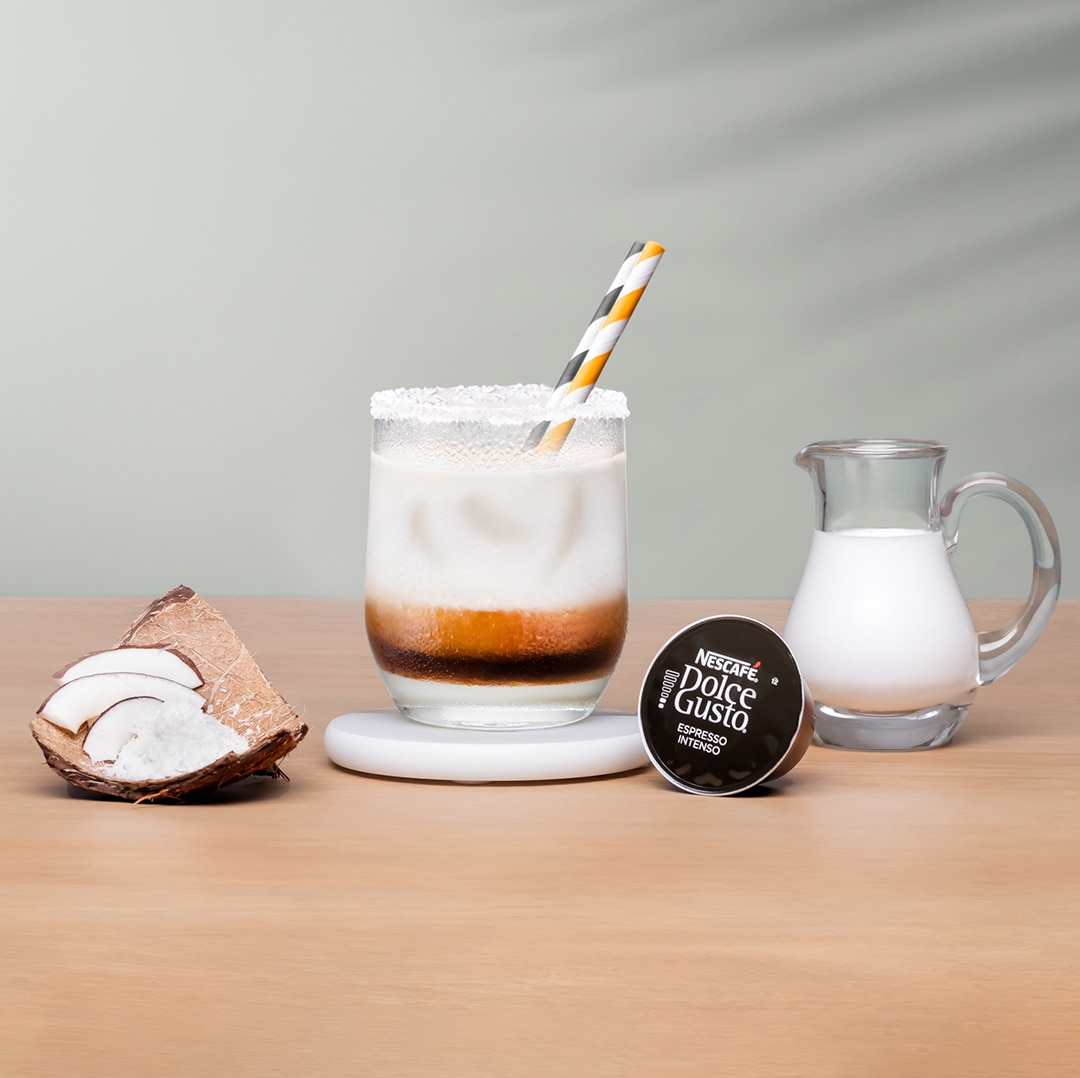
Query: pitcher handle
(1000, 649)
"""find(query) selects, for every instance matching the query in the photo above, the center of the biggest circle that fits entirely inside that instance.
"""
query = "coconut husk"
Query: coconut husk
(237, 694)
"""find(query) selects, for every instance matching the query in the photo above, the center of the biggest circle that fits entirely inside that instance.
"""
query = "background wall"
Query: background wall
(224, 224)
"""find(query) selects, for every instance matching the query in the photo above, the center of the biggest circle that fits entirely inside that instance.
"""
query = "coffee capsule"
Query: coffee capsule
(723, 707)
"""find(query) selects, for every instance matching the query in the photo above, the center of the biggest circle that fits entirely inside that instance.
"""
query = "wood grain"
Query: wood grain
(876, 914)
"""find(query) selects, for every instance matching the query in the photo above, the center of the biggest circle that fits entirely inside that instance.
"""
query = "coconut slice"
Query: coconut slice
(84, 699)
(235, 690)
(157, 661)
(116, 726)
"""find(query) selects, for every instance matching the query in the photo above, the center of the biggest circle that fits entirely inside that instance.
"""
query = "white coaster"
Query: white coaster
(387, 743)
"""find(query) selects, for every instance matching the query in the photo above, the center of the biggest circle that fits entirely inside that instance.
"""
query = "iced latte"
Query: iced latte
(496, 574)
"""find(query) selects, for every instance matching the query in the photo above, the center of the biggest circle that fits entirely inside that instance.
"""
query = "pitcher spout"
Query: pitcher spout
(804, 458)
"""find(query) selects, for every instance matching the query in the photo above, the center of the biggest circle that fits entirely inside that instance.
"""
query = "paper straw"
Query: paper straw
(587, 338)
(604, 343)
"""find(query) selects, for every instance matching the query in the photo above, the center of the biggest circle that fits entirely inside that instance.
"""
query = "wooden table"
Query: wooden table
(888, 914)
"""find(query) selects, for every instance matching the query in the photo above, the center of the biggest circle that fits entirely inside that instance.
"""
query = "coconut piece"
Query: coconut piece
(236, 691)
(116, 725)
(84, 699)
(155, 660)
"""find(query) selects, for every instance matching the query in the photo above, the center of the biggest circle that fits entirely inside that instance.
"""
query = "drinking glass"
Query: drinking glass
(496, 574)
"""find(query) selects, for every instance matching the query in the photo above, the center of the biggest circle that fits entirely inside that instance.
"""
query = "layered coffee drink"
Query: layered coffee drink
(496, 574)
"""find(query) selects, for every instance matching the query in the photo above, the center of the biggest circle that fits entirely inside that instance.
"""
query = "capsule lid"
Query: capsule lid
(723, 706)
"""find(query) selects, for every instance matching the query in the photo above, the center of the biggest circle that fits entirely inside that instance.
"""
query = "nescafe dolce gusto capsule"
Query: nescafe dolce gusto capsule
(723, 707)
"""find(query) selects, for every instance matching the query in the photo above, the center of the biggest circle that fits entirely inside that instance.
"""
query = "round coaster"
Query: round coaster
(387, 743)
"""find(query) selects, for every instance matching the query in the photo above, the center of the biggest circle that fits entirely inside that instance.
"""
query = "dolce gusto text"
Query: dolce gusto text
(724, 698)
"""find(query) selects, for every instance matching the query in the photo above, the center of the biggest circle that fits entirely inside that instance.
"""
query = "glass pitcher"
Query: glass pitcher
(878, 625)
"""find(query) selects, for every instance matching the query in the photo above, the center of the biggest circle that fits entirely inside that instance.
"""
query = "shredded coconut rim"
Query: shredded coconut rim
(497, 405)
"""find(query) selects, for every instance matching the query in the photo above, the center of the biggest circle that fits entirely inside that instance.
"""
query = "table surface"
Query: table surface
(874, 914)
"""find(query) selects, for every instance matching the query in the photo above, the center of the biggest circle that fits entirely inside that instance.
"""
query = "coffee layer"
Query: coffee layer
(478, 647)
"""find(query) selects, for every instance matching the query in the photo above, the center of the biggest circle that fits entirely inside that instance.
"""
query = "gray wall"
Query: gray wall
(224, 224)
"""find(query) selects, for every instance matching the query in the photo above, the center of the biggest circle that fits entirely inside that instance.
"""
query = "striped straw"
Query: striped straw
(607, 336)
(587, 338)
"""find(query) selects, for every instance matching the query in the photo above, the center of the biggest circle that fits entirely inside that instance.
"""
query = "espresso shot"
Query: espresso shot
(497, 647)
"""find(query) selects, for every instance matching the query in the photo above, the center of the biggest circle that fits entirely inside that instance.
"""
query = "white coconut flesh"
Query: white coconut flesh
(84, 699)
(174, 739)
(156, 661)
(115, 726)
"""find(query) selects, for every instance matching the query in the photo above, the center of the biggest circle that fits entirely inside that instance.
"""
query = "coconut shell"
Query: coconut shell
(237, 694)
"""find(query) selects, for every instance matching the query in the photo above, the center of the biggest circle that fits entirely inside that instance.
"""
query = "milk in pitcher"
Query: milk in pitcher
(879, 623)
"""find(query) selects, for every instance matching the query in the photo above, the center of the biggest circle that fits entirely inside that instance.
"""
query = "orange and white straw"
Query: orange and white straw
(587, 338)
(605, 337)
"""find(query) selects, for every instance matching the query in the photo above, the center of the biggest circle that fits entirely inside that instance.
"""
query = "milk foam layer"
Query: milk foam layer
(520, 538)
(879, 623)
